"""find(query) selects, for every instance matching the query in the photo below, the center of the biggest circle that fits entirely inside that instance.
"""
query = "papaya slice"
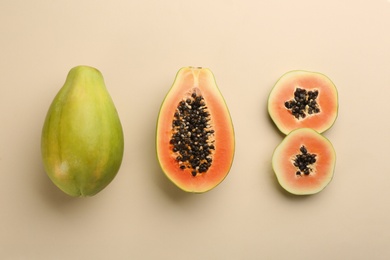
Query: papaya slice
(82, 138)
(304, 162)
(195, 138)
(302, 99)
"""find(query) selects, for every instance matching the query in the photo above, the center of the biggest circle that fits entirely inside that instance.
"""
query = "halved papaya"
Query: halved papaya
(304, 162)
(303, 99)
(195, 137)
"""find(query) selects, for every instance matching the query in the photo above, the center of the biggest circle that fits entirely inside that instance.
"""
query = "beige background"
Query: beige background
(139, 46)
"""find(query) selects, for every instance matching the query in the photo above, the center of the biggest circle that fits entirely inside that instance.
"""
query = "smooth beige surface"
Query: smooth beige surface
(139, 46)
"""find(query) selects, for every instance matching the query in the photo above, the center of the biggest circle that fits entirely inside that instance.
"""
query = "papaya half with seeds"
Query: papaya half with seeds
(82, 139)
(304, 162)
(302, 99)
(195, 138)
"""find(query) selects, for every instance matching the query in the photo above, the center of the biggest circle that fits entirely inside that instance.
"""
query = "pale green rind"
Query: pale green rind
(82, 138)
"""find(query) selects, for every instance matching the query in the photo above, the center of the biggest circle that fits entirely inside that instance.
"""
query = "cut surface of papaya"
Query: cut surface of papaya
(195, 137)
(303, 99)
(304, 162)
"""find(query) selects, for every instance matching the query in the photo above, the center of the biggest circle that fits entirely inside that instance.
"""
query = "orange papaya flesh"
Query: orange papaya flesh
(304, 162)
(302, 99)
(195, 137)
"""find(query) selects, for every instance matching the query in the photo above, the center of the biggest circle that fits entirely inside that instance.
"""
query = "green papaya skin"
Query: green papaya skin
(82, 138)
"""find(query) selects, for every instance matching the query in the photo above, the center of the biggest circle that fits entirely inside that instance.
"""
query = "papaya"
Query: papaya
(195, 137)
(82, 140)
(304, 162)
(303, 99)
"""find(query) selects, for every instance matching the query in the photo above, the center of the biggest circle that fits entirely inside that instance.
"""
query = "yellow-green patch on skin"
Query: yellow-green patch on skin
(82, 139)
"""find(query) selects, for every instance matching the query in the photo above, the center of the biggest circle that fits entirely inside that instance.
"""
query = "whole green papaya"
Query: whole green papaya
(82, 138)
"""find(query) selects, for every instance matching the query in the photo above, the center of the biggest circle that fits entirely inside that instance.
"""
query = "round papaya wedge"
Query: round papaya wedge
(195, 136)
(304, 162)
(302, 99)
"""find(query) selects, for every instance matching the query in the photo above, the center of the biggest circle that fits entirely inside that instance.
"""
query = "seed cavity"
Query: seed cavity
(303, 104)
(304, 162)
(192, 135)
